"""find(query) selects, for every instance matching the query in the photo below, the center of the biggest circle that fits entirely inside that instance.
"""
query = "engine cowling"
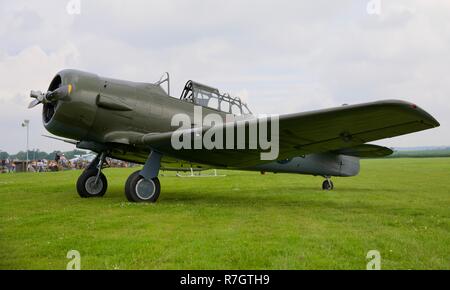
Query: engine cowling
(72, 116)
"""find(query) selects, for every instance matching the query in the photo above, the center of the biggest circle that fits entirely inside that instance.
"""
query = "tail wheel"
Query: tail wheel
(139, 189)
(328, 185)
(89, 186)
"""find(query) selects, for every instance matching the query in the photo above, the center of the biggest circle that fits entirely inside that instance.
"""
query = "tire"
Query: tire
(139, 189)
(328, 185)
(86, 187)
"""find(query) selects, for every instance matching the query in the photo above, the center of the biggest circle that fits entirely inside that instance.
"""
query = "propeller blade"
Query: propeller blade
(34, 103)
(37, 95)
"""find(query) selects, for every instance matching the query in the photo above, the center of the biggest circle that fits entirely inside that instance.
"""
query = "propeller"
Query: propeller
(49, 97)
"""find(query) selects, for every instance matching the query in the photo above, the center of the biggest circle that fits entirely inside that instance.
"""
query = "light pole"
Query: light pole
(26, 123)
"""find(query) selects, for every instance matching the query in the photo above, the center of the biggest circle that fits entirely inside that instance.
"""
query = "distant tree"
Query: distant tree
(42, 155)
(22, 155)
(51, 156)
(4, 155)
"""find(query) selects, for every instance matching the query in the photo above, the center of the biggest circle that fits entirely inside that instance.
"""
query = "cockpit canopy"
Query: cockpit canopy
(209, 97)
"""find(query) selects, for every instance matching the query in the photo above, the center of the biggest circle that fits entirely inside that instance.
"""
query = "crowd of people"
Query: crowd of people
(7, 166)
(48, 165)
(58, 164)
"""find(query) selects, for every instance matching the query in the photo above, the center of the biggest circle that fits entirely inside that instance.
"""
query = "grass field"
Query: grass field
(400, 207)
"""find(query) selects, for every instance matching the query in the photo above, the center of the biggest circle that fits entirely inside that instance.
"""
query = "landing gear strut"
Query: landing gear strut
(143, 185)
(92, 182)
(327, 184)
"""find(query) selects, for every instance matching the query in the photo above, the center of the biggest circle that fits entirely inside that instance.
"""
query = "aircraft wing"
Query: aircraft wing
(314, 132)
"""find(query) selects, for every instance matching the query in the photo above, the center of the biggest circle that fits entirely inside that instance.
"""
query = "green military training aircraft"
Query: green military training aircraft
(142, 123)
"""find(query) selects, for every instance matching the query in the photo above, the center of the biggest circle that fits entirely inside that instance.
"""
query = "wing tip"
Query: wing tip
(426, 117)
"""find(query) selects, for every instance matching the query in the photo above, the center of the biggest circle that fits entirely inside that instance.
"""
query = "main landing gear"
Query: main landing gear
(140, 189)
(327, 184)
(142, 186)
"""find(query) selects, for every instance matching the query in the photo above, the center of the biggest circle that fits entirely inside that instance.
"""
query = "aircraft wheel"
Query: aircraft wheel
(328, 185)
(139, 189)
(87, 187)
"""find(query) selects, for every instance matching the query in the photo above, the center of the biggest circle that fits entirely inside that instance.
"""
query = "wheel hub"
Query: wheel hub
(93, 187)
(145, 189)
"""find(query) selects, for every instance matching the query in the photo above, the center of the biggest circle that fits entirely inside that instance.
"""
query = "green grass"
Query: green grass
(400, 207)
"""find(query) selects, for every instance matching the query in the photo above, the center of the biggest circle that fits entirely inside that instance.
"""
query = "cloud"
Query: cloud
(32, 68)
(298, 55)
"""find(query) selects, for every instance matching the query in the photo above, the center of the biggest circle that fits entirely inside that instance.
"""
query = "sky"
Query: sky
(279, 56)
